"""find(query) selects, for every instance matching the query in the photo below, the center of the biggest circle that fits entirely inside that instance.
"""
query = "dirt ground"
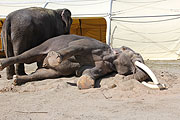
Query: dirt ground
(114, 99)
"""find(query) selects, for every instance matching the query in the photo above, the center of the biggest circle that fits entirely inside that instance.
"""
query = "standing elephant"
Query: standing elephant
(78, 55)
(26, 28)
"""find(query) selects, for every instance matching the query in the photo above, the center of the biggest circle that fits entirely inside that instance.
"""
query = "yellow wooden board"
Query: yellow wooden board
(1, 24)
(91, 27)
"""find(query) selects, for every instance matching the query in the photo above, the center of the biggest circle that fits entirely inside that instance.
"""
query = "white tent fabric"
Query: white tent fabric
(79, 8)
(149, 27)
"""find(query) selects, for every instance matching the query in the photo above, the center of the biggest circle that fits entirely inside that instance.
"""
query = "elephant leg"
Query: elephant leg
(20, 69)
(40, 74)
(89, 75)
(81, 69)
(54, 59)
(39, 64)
(10, 70)
(85, 82)
(22, 58)
(74, 48)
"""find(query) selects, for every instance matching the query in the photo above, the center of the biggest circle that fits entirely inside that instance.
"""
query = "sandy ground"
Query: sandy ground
(115, 99)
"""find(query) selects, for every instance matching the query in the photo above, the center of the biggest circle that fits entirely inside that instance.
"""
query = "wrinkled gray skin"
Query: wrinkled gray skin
(77, 55)
(26, 28)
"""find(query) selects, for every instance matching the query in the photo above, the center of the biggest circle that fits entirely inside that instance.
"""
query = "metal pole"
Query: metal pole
(109, 24)
(46, 4)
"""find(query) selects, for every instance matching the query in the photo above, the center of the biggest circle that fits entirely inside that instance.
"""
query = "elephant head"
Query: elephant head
(131, 64)
(125, 64)
(66, 17)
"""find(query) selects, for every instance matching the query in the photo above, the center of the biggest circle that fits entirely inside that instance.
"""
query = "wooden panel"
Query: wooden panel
(91, 27)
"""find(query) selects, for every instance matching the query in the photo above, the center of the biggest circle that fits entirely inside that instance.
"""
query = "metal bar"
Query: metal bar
(109, 23)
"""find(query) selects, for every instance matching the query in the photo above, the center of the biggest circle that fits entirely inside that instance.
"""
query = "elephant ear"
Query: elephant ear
(66, 17)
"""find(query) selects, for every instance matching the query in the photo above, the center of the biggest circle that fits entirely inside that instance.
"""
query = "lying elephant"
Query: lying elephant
(26, 28)
(78, 55)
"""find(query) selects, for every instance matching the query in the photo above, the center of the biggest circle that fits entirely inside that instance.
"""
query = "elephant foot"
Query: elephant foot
(85, 82)
(9, 77)
(21, 73)
(1, 67)
(53, 59)
(17, 81)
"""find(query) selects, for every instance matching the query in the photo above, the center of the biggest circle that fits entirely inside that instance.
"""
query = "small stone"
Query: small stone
(112, 86)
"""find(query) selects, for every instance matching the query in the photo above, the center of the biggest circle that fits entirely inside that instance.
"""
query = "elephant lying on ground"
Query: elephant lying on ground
(26, 28)
(78, 55)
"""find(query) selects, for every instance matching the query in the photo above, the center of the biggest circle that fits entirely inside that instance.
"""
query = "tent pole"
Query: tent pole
(46, 4)
(109, 23)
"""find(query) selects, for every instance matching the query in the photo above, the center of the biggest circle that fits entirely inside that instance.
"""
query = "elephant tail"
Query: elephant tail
(6, 36)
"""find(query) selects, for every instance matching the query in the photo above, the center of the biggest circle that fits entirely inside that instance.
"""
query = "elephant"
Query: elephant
(85, 57)
(26, 28)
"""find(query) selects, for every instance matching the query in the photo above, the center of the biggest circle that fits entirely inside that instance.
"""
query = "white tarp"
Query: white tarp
(79, 8)
(150, 27)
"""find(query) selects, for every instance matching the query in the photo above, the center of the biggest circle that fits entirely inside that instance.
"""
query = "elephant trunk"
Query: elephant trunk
(66, 17)
(138, 74)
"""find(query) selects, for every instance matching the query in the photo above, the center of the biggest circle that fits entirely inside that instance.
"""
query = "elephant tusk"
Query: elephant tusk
(148, 71)
(156, 84)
